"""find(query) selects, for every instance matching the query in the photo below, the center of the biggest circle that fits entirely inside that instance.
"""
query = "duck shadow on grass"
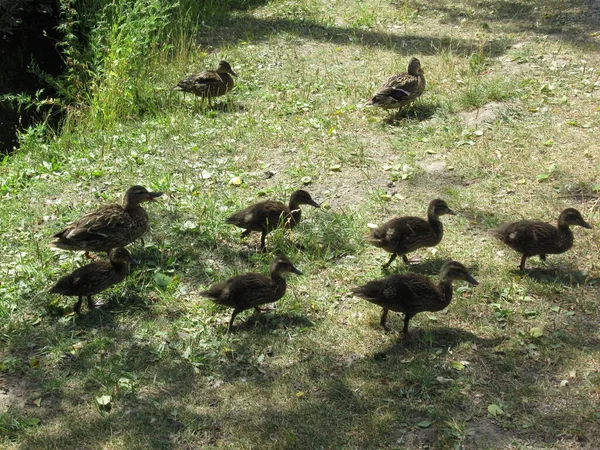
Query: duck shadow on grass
(419, 339)
(420, 111)
(268, 321)
(568, 277)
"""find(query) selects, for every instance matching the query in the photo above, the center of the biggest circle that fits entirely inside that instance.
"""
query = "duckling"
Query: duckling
(413, 293)
(209, 84)
(252, 289)
(94, 278)
(531, 237)
(110, 226)
(402, 235)
(270, 214)
(401, 89)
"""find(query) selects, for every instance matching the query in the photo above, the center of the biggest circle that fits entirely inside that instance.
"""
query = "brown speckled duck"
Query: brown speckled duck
(270, 214)
(93, 278)
(110, 226)
(531, 237)
(209, 84)
(403, 235)
(412, 293)
(251, 290)
(401, 89)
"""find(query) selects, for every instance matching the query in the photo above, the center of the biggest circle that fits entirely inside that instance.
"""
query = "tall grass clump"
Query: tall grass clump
(123, 43)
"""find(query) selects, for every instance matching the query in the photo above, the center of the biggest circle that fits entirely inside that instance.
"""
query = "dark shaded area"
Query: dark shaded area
(28, 33)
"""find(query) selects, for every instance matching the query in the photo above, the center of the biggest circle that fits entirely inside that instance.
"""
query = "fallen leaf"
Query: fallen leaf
(495, 410)
(424, 424)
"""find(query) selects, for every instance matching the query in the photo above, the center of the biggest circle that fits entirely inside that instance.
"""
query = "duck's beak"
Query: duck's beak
(231, 72)
(315, 204)
(297, 271)
(472, 280)
(452, 213)
(153, 195)
(586, 225)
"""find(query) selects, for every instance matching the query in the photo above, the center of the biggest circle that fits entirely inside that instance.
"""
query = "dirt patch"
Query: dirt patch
(14, 393)
(488, 113)
(486, 434)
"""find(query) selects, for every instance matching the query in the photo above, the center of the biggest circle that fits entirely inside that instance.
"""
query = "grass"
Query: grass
(512, 363)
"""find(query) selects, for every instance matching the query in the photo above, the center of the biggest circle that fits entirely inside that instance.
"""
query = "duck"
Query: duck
(94, 278)
(401, 89)
(271, 214)
(110, 226)
(532, 237)
(251, 290)
(210, 83)
(413, 293)
(402, 235)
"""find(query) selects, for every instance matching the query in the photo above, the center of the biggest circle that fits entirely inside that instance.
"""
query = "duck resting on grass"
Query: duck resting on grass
(403, 235)
(94, 278)
(401, 89)
(413, 293)
(531, 237)
(210, 83)
(110, 226)
(251, 290)
(270, 214)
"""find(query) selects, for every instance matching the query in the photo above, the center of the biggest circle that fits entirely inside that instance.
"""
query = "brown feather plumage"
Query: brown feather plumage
(251, 290)
(531, 237)
(270, 214)
(94, 278)
(402, 235)
(413, 293)
(110, 226)
(210, 83)
(401, 89)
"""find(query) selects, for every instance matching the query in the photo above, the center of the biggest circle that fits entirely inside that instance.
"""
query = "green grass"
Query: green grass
(505, 103)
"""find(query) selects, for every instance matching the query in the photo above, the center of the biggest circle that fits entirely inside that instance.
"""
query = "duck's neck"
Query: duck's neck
(122, 268)
(565, 235)
(445, 290)
(422, 81)
(227, 79)
(436, 224)
(295, 213)
(279, 282)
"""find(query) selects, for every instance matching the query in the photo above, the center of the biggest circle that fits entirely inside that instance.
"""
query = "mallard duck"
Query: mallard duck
(413, 293)
(94, 278)
(401, 89)
(402, 235)
(252, 289)
(270, 214)
(209, 84)
(110, 226)
(531, 237)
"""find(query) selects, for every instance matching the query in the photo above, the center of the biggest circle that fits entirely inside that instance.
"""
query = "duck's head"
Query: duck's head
(453, 270)
(138, 194)
(283, 265)
(119, 255)
(301, 197)
(414, 67)
(439, 208)
(571, 216)
(224, 67)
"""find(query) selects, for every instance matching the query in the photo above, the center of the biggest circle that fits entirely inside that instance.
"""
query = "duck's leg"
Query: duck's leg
(405, 259)
(245, 233)
(522, 265)
(407, 317)
(233, 314)
(92, 304)
(77, 307)
(384, 319)
(542, 257)
(262, 241)
(392, 258)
